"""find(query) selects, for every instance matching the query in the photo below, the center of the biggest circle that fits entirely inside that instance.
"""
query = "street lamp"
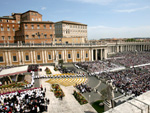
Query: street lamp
(89, 98)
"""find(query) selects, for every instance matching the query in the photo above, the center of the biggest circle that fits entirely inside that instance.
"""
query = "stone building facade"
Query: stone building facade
(70, 32)
(45, 54)
(8, 26)
(28, 27)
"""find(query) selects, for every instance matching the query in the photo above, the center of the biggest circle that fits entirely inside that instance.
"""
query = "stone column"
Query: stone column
(92, 54)
(53, 56)
(89, 55)
(96, 54)
(56, 55)
(105, 53)
(19, 58)
(83, 55)
(72, 55)
(65, 56)
(22, 57)
(32, 56)
(101, 50)
(75, 55)
(45, 56)
(6, 57)
(129, 47)
(117, 48)
(9, 55)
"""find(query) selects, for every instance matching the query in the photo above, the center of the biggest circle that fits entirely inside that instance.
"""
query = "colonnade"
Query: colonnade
(50, 54)
(122, 48)
(99, 54)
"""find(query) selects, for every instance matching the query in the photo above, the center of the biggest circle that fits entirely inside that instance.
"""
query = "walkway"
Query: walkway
(68, 104)
(140, 65)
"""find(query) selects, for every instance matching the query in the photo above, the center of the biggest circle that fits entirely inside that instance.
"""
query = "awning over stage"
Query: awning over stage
(13, 71)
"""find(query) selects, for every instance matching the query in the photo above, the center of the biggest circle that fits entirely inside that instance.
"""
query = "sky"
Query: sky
(105, 18)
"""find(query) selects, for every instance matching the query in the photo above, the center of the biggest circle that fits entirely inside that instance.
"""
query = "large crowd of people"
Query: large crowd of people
(131, 58)
(26, 101)
(132, 81)
(96, 67)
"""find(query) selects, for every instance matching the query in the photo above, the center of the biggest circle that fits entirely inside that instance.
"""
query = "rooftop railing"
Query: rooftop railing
(8, 45)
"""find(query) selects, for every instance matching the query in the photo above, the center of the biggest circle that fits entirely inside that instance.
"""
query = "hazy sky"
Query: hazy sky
(105, 18)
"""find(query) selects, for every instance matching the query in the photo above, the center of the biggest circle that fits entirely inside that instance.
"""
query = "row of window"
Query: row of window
(39, 57)
(38, 26)
(68, 31)
(34, 14)
(9, 37)
(8, 29)
(36, 19)
(4, 20)
(39, 36)
(75, 26)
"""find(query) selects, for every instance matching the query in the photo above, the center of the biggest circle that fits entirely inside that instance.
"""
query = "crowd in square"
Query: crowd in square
(24, 101)
(96, 67)
(131, 81)
(131, 58)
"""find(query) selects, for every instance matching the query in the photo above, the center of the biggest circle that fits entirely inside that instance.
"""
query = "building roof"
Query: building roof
(7, 17)
(71, 22)
(136, 105)
(30, 11)
(39, 22)
(17, 13)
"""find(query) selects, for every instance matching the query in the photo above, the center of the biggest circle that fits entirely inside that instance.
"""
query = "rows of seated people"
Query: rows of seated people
(67, 75)
(132, 58)
(33, 68)
(96, 66)
(27, 101)
(132, 81)
(83, 88)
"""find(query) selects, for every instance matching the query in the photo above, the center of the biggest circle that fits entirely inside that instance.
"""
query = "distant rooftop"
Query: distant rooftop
(31, 11)
(7, 17)
(70, 22)
(42, 22)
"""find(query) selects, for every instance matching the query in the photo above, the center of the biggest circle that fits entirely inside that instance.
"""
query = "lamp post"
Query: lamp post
(89, 98)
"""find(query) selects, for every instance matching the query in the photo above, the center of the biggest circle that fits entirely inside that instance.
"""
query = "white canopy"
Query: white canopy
(13, 71)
